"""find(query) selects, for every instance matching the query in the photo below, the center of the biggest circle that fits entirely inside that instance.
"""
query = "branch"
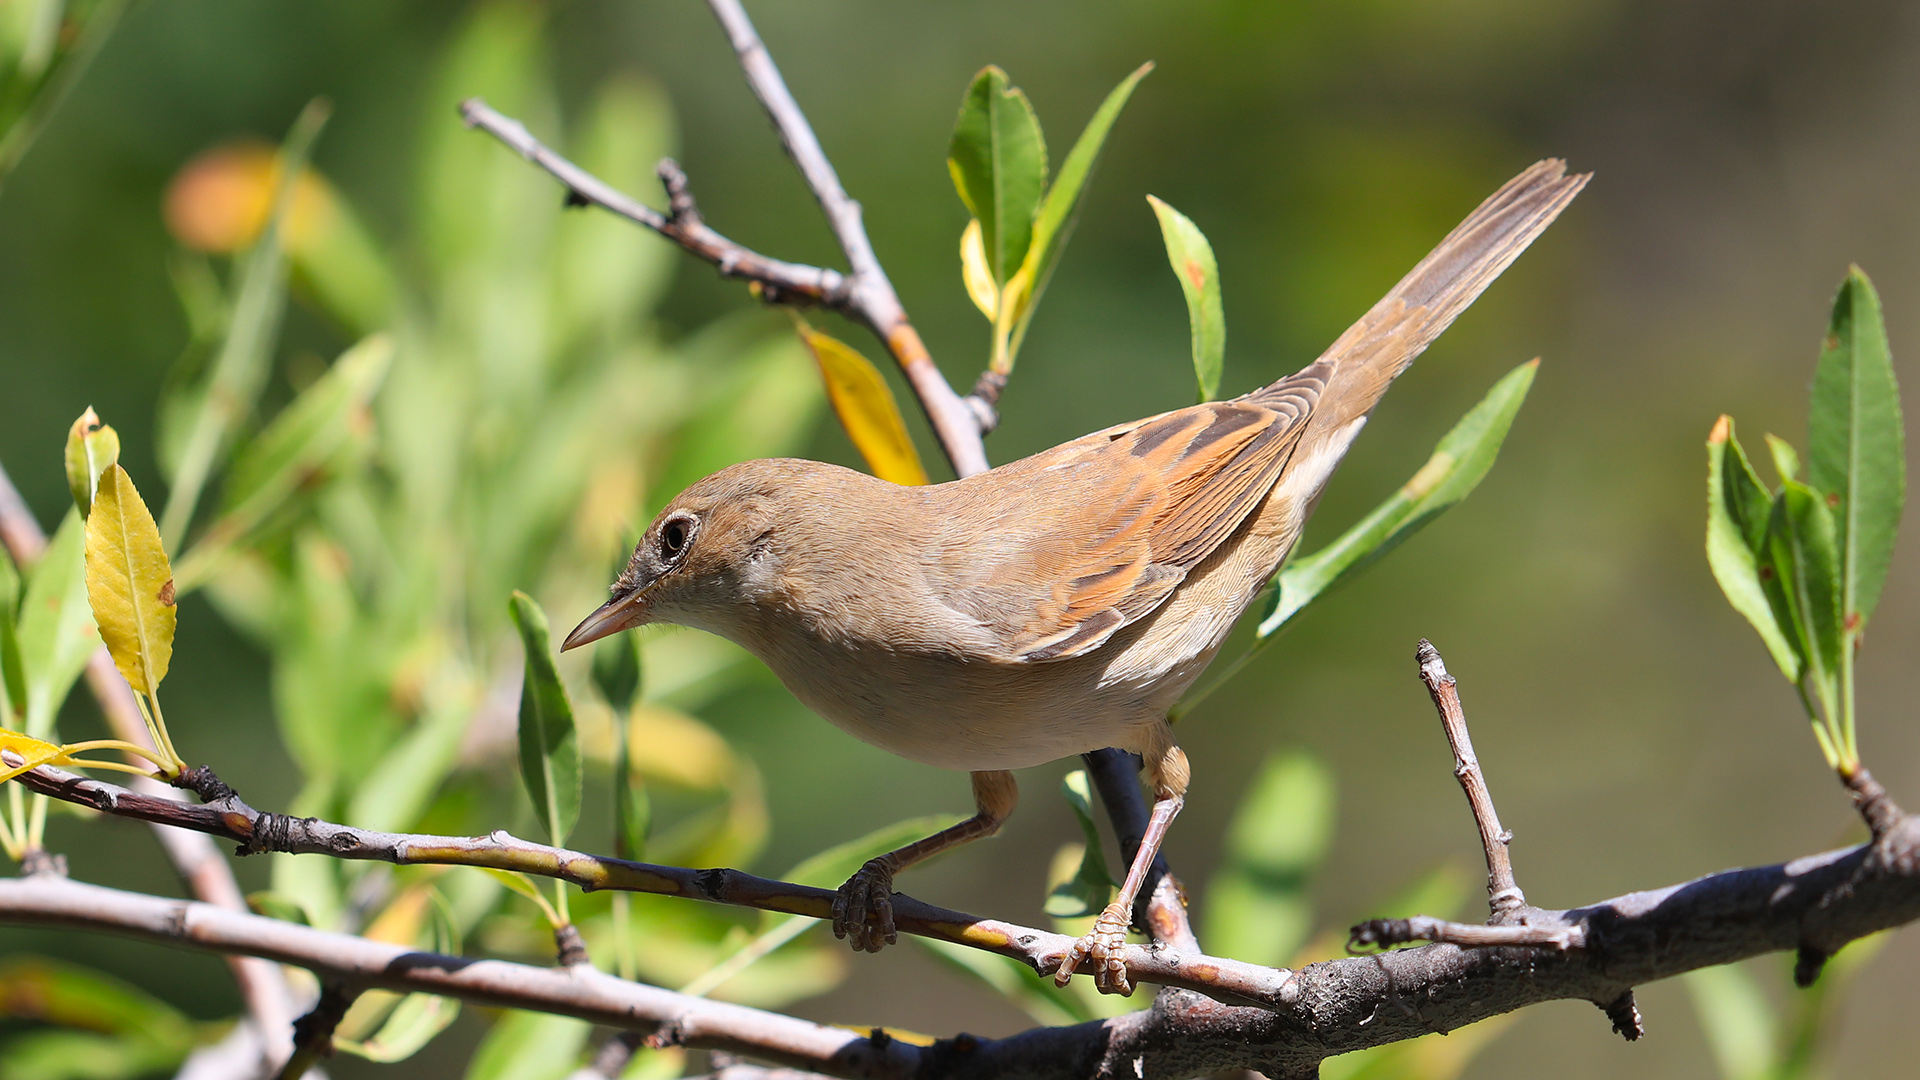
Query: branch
(1503, 893)
(225, 815)
(269, 1002)
(1161, 907)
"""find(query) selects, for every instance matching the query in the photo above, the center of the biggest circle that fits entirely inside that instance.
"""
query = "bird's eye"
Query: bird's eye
(673, 538)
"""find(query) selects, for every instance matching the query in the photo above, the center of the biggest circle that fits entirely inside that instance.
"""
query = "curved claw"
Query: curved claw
(863, 908)
(1105, 945)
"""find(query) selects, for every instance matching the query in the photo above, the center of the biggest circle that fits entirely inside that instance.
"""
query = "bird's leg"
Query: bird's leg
(863, 909)
(1105, 945)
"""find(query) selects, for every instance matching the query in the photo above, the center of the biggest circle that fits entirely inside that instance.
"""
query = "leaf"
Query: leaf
(91, 447)
(129, 584)
(1053, 225)
(1737, 512)
(1739, 1023)
(57, 633)
(1257, 905)
(1804, 550)
(1012, 980)
(529, 1046)
(1855, 448)
(974, 273)
(998, 159)
(124, 1031)
(1786, 460)
(616, 670)
(866, 408)
(13, 677)
(1192, 260)
(1091, 886)
(239, 371)
(411, 1025)
(20, 753)
(1459, 462)
(549, 746)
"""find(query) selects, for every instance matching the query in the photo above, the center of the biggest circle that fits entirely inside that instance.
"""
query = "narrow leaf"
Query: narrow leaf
(1803, 550)
(1739, 1023)
(1192, 260)
(1258, 906)
(998, 159)
(1459, 462)
(1855, 448)
(549, 746)
(57, 633)
(91, 447)
(129, 584)
(1053, 225)
(616, 670)
(867, 410)
(1091, 885)
(974, 273)
(411, 1025)
(1786, 460)
(13, 676)
(1737, 512)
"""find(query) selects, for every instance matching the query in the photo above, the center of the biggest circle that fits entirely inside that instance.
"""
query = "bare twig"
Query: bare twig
(1503, 893)
(206, 873)
(227, 816)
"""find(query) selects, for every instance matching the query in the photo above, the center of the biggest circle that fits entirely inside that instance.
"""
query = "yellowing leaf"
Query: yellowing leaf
(91, 447)
(129, 582)
(973, 270)
(18, 753)
(865, 404)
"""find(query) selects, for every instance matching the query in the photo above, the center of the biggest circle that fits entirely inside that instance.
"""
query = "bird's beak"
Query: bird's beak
(609, 618)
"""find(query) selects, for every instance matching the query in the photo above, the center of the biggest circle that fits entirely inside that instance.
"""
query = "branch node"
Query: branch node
(313, 1032)
(575, 200)
(1870, 799)
(38, 860)
(1807, 965)
(681, 210)
(570, 948)
(271, 832)
(201, 780)
(1625, 1014)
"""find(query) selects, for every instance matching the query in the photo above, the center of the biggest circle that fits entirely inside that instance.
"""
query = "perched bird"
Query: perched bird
(1054, 605)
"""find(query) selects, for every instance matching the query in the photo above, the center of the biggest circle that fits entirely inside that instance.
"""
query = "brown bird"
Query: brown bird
(1054, 605)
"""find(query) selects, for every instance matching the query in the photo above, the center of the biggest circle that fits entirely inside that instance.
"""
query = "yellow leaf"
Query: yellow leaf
(666, 744)
(973, 271)
(129, 582)
(867, 410)
(18, 753)
(91, 447)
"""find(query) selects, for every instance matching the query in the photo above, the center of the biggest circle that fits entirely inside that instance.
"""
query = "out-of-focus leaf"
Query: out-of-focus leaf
(1737, 512)
(67, 995)
(974, 273)
(1053, 224)
(1192, 260)
(304, 443)
(617, 674)
(1855, 446)
(401, 783)
(13, 676)
(866, 408)
(1429, 1057)
(529, 1046)
(57, 633)
(1091, 886)
(616, 670)
(1257, 906)
(129, 583)
(276, 906)
(998, 159)
(1737, 1020)
(240, 369)
(91, 447)
(409, 1027)
(1457, 466)
(549, 745)
(1012, 980)
(64, 1054)
(765, 393)
(1786, 460)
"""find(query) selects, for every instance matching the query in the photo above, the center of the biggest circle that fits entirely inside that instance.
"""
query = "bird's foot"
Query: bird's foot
(863, 908)
(1105, 946)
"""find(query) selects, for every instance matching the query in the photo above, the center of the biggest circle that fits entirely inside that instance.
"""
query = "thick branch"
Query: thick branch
(227, 816)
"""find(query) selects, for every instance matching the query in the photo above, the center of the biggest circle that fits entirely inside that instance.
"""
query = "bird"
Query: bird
(1054, 605)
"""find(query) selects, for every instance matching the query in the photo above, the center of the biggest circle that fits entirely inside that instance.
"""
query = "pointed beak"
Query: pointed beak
(609, 618)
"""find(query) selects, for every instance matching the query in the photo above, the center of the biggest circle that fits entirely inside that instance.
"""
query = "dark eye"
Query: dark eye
(673, 538)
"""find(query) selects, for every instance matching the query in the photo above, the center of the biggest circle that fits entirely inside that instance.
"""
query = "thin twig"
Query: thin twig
(1503, 893)
(199, 863)
(227, 816)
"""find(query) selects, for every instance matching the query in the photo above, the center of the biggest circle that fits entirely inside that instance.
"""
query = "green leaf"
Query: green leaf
(239, 371)
(529, 1046)
(1257, 905)
(68, 995)
(91, 447)
(1737, 1019)
(129, 584)
(1855, 448)
(1192, 260)
(1737, 511)
(616, 670)
(1012, 980)
(13, 677)
(1091, 886)
(411, 1025)
(549, 746)
(57, 633)
(1459, 463)
(1053, 225)
(998, 159)
(1786, 460)
(1803, 549)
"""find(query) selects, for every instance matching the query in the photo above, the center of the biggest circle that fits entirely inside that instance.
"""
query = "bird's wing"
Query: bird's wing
(1078, 541)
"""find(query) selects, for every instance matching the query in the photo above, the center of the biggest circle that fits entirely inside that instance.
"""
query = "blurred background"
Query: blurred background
(1633, 730)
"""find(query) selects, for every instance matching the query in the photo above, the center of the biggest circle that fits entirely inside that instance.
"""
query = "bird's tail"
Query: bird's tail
(1374, 351)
